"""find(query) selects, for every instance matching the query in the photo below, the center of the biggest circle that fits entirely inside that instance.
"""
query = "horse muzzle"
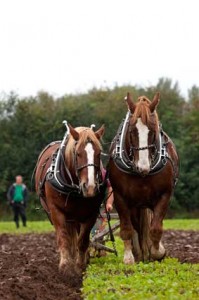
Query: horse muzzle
(88, 190)
(143, 170)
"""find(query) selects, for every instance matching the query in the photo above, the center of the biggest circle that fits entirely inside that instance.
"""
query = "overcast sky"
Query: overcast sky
(70, 46)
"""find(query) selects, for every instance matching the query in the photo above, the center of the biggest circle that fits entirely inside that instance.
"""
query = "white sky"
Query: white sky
(66, 46)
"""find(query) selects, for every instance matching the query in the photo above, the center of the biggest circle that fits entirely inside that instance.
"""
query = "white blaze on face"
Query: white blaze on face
(90, 160)
(143, 161)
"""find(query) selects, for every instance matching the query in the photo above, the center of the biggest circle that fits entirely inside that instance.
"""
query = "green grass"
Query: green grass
(32, 226)
(107, 278)
(45, 226)
(182, 224)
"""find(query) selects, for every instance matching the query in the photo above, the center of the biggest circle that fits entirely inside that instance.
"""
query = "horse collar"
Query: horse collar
(58, 171)
(122, 159)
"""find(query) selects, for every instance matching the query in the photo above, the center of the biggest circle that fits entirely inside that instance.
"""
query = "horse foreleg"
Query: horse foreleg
(83, 243)
(135, 219)
(136, 246)
(128, 255)
(157, 250)
(145, 224)
(126, 229)
(66, 234)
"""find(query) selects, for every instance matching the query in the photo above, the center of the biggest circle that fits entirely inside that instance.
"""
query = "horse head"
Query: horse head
(143, 133)
(86, 158)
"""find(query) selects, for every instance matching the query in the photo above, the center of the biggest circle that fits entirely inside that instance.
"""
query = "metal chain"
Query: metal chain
(112, 238)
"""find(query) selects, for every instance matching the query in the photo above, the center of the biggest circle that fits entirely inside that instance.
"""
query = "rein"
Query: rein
(87, 165)
(79, 168)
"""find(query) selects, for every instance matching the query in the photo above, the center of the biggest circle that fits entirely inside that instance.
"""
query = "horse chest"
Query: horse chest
(81, 209)
(140, 192)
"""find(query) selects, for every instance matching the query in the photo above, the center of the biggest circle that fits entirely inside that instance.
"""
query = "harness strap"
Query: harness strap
(88, 165)
(144, 148)
(56, 177)
(122, 159)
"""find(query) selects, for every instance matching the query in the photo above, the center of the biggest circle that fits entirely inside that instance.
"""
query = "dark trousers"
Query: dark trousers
(19, 210)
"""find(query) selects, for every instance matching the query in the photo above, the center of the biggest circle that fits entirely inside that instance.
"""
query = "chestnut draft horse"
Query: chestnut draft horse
(143, 170)
(69, 183)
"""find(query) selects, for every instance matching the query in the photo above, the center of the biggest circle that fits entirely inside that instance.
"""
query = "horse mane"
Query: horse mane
(142, 111)
(85, 134)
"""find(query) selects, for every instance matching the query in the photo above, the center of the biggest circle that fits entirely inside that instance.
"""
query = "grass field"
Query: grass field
(45, 226)
(32, 226)
(180, 224)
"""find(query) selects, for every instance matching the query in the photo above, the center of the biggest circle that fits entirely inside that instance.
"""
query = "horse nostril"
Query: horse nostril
(84, 185)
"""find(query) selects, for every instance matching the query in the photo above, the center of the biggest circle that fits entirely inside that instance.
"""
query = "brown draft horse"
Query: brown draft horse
(143, 170)
(69, 183)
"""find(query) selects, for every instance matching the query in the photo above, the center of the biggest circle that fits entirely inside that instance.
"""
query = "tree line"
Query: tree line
(28, 124)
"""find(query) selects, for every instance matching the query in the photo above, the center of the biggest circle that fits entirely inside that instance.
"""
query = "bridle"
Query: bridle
(81, 167)
(133, 148)
(64, 179)
(87, 165)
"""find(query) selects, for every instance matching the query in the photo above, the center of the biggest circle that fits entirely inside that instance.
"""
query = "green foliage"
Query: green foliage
(108, 278)
(188, 189)
(181, 224)
(32, 227)
(45, 226)
(27, 125)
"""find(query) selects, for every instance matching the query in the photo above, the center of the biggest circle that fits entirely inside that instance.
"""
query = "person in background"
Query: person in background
(17, 196)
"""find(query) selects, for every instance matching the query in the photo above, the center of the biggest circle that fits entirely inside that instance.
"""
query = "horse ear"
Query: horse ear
(74, 133)
(99, 133)
(155, 102)
(130, 103)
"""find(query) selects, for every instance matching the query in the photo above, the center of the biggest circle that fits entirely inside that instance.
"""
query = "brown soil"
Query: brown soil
(183, 245)
(29, 265)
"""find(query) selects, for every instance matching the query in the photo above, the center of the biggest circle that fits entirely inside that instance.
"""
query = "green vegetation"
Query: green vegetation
(108, 278)
(45, 226)
(32, 227)
(179, 224)
(27, 125)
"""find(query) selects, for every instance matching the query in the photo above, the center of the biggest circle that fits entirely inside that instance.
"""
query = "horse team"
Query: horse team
(142, 168)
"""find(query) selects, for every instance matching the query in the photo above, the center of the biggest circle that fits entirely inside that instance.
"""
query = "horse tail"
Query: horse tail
(146, 216)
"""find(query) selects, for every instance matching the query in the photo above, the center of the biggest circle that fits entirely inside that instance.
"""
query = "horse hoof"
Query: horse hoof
(158, 254)
(129, 259)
